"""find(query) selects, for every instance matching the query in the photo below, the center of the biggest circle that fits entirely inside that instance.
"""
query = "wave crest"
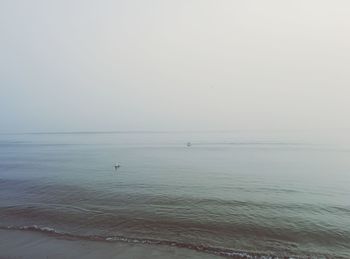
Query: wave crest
(197, 247)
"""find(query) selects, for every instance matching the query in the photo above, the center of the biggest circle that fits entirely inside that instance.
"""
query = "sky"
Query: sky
(83, 65)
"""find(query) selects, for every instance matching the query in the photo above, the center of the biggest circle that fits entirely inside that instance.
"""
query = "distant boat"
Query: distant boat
(117, 165)
(189, 144)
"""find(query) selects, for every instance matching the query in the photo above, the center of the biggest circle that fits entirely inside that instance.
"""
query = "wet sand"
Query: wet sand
(21, 245)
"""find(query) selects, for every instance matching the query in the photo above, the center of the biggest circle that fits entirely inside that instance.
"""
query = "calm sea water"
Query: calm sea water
(230, 193)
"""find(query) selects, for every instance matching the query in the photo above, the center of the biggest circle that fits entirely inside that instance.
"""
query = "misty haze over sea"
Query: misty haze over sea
(174, 129)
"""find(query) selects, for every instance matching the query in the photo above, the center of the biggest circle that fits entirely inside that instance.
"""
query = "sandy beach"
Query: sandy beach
(22, 245)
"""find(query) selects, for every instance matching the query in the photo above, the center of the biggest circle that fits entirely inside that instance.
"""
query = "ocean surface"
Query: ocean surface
(230, 193)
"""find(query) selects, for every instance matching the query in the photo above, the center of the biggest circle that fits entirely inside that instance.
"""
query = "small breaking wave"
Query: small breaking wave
(197, 247)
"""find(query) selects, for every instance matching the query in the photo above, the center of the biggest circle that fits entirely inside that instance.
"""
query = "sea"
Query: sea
(235, 194)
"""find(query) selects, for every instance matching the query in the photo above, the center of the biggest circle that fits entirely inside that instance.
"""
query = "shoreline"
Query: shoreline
(16, 244)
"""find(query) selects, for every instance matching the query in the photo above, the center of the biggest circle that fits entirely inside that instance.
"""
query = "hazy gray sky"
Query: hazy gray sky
(181, 64)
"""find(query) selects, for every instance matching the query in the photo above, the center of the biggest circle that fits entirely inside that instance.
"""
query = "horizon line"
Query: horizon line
(146, 131)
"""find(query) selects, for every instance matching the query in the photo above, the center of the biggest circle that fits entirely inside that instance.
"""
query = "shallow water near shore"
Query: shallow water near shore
(229, 193)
